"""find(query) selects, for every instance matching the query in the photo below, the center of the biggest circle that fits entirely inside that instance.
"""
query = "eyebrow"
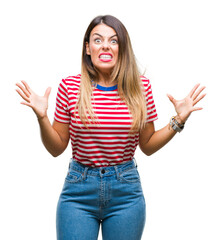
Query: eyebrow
(102, 36)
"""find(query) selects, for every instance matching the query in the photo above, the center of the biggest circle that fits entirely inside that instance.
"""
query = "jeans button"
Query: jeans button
(103, 171)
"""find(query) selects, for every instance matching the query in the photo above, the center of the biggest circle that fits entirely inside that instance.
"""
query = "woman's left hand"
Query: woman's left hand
(185, 106)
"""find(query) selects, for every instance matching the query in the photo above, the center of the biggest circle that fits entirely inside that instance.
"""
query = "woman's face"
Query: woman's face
(103, 48)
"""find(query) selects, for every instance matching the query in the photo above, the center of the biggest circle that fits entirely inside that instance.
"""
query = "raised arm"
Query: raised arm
(151, 141)
(54, 137)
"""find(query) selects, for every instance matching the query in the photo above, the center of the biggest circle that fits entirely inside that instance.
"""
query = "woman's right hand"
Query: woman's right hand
(38, 104)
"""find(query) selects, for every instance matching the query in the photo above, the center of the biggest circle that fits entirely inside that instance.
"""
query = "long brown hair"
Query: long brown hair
(125, 72)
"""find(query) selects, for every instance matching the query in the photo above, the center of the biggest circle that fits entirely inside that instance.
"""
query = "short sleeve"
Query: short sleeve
(150, 105)
(62, 113)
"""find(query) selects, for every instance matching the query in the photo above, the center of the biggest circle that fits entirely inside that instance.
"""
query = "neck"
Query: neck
(105, 80)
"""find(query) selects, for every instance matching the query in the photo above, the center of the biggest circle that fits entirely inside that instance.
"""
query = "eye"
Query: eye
(97, 40)
(114, 41)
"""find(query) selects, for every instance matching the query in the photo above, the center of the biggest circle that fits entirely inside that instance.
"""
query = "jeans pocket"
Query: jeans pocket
(73, 176)
(130, 176)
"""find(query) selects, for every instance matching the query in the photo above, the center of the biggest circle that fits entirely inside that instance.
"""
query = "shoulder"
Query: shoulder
(146, 82)
(72, 81)
(70, 85)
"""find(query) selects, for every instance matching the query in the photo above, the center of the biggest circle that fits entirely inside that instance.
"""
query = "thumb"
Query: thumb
(47, 92)
(171, 99)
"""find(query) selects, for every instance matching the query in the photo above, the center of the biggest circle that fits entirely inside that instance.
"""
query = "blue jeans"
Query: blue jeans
(110, 196)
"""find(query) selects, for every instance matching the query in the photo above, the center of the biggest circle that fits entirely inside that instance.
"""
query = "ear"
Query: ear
(87, 49)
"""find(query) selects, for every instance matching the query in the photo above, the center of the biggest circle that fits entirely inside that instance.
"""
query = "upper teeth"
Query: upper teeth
(105, 56)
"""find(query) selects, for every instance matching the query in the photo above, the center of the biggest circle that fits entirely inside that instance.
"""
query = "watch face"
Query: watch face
(176, 128)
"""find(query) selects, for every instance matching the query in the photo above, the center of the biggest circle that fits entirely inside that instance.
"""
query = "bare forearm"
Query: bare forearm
(159, 139)
(50, 138)
(55, 137)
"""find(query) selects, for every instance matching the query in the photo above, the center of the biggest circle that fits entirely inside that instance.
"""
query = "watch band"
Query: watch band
(178, 127)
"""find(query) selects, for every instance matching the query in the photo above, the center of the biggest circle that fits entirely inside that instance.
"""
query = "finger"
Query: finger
(198, 99)
(27, 86)
(22, 95)
(171, 98)
(47, 92)
(198, 93)
(196, 109)
(193, 90)
(23, 89)
(27, 104)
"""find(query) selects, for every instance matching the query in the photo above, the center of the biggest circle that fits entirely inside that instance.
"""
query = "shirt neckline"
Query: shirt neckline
(104, 88)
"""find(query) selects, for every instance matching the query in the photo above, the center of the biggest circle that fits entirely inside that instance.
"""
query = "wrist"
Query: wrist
(42, 118)
(176, 124)
(180, 120)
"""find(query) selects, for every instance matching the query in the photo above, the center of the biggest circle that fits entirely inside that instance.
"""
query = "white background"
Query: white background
(179, 44)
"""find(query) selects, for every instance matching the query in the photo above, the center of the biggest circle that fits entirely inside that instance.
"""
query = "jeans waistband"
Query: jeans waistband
(102, 171)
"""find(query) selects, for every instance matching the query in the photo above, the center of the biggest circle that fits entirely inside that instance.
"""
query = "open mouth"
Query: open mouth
(105, 57)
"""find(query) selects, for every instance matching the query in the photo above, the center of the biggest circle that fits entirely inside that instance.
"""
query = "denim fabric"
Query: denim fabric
(110, 196)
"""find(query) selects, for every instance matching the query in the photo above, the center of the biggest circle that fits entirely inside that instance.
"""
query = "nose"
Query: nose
(106, 45)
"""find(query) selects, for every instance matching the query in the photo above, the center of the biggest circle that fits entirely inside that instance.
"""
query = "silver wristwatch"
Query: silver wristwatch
(175, 125)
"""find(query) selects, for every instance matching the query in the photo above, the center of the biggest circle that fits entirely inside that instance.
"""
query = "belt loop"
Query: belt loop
(85, 172)
(70, 160)
(135, 162)
(117, 173)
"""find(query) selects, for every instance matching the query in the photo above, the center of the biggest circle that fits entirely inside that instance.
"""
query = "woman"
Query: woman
(106, 112)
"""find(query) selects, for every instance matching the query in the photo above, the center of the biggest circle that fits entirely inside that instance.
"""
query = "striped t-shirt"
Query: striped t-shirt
(109, 142)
